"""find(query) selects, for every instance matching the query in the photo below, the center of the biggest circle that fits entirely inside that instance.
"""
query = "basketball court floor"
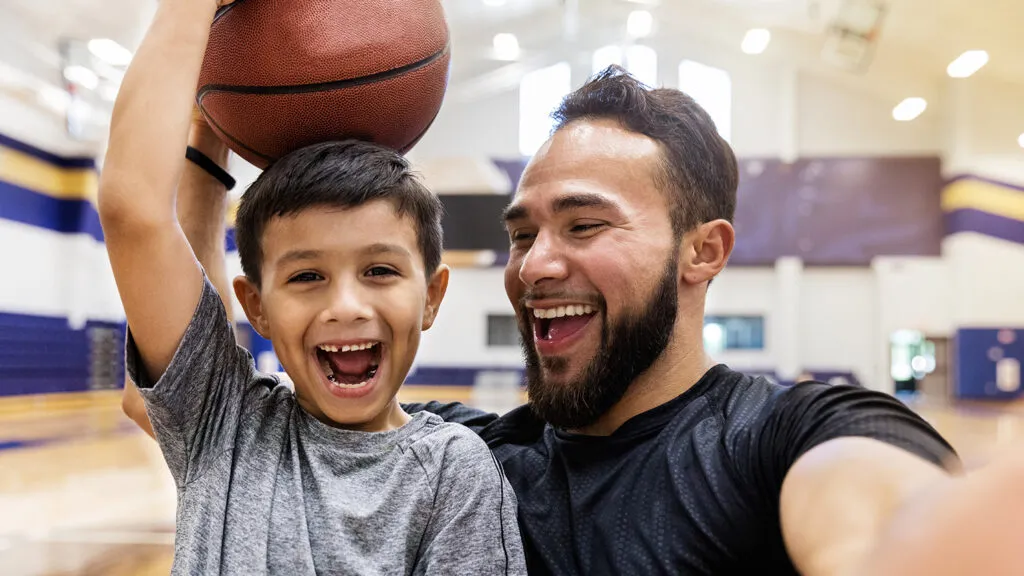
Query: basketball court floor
(84, 492)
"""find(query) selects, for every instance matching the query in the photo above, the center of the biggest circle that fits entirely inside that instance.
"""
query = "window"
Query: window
(712, 89)
(733, 333)
(640, 61)
(502, 331)
(540, 93)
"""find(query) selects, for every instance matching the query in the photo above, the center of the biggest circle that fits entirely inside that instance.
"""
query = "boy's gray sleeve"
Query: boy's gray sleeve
(196, 404)
(473, 528)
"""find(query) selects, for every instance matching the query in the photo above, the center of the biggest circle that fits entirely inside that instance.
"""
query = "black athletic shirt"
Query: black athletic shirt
(689, 487)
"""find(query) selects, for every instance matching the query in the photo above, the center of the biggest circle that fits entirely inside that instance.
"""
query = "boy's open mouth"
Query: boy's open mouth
(349, 366)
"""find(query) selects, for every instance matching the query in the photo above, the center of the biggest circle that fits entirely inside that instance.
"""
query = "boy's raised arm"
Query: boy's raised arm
(202, 212)
(156, 271)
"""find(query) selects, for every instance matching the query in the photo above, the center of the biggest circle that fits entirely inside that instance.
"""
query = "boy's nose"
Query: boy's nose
(346, 305)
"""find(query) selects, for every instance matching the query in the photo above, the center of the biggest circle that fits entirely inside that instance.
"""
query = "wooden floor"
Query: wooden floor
(83, 492)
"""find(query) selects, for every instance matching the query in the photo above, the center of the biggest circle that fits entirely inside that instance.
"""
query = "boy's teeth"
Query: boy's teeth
(347, 347)
(341, 385)
(559, 312)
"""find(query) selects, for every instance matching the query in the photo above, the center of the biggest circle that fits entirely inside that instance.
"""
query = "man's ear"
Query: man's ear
(705, 251)
(248, 295)
(436, 289)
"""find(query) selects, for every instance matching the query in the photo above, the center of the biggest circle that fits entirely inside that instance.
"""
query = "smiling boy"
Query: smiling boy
(340, 246)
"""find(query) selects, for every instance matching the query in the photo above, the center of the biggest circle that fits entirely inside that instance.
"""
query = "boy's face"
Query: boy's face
(344, 279)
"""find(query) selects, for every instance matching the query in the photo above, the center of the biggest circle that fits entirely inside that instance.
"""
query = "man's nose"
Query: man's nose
(544, 262)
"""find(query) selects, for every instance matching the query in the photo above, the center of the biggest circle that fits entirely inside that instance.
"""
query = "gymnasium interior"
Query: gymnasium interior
(880, 225)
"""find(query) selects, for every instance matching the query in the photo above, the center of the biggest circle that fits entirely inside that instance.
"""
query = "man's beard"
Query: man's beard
(627, 350)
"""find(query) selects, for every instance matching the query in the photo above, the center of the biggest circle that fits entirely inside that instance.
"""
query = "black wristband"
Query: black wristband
(211, 167)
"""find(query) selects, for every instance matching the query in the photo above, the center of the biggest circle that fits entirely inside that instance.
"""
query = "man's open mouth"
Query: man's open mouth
(560, 322)
(349, 366)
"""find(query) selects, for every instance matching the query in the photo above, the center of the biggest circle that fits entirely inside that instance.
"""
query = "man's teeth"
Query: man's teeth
(571, 310)
(347, 348)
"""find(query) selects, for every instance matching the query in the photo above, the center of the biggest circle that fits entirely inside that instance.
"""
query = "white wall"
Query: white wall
(982, 120)
(483, 128)
(459, 336)
(987, 288)
(839, 312)
(51, 274)
(836, 121)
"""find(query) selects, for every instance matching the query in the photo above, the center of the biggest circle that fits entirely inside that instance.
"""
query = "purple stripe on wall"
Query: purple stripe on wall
(970, 220)
(61, 161)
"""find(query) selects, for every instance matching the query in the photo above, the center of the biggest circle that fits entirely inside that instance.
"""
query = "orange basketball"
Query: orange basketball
(280, 74)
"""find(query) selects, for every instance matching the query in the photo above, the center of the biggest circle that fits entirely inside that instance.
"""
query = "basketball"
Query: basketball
(279, 75)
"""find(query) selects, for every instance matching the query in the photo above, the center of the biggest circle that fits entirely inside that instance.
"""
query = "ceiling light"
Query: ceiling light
(756, 40)
(506, 46)
(967, 63)
(909, 109)
(494, 2)
(639, 23)
(1020, 140)
(82, 76)
(109, 51)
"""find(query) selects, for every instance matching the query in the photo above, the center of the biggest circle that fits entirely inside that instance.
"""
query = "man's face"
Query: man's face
(593, 270)
(343, 299)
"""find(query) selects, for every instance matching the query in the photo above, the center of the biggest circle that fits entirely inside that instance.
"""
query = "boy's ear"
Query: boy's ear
(249, 297)
(436, 289)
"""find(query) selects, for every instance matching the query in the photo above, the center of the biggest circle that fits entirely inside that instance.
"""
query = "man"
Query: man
(637, 454)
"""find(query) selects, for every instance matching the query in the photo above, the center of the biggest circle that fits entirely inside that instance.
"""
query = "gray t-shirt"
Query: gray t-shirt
(263, 487)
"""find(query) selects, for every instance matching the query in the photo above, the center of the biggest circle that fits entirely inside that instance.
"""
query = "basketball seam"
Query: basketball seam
(225, 9)
(323, 86)
(270, 159)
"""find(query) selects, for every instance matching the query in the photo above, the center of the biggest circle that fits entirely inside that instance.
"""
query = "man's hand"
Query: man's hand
(969, 525)
(860, 507)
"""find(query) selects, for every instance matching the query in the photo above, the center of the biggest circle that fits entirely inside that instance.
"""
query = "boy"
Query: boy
(341, 247)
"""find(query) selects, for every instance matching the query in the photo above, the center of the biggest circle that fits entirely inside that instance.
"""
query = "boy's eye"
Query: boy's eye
(305, 277)
(381, 271)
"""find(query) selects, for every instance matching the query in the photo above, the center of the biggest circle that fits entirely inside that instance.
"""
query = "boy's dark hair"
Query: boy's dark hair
(700, 171)
(336, 175)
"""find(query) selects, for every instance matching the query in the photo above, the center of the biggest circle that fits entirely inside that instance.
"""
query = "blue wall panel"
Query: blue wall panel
(976, 352)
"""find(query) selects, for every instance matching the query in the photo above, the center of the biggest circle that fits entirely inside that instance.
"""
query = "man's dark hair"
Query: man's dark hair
(336, 175)
(700, 172)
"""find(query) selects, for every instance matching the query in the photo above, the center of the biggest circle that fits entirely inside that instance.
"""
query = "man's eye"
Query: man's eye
(522, 236)
(305, 277)
(581, 228)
